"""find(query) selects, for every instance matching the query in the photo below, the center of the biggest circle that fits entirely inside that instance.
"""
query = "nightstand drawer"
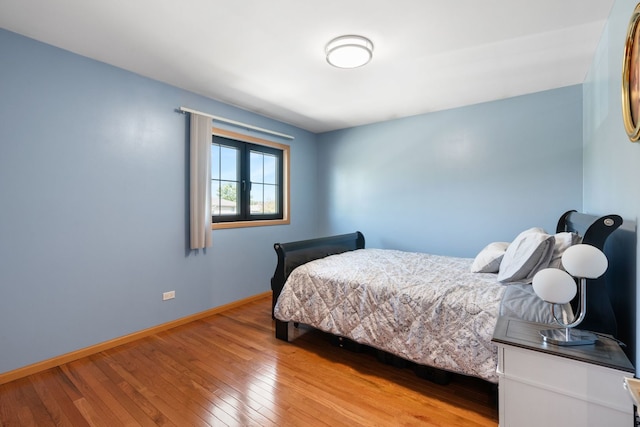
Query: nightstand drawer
(530, 406)
(579, 380)
(548, 385)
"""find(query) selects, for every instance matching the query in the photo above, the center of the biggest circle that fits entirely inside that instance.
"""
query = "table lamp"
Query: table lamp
(557, 286)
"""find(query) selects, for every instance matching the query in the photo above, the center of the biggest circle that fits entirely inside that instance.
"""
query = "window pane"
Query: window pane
(257, 172)
(225, 180)
(264, 199)
(229, 161)
(264, 168)
(215, 161)
(215, 198)
(224, 198)
(270, 169)
(257, 199)
(270, 199)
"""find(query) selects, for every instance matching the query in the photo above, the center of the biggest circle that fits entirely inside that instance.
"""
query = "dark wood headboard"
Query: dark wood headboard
(611, 307)
(294, 254)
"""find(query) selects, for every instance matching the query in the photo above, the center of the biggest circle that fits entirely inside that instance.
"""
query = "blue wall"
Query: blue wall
(611, 161)
(450, 182)
(93, 225)
(93, 172)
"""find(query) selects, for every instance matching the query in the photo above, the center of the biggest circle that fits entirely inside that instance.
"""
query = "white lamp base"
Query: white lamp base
(568, 336)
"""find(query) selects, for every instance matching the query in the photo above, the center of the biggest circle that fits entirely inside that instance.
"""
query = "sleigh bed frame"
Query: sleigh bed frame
(610, 301)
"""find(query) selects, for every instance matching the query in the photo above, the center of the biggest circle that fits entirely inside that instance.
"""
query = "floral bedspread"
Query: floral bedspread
(425, 308)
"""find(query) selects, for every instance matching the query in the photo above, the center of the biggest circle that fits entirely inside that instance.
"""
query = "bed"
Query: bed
(433, 310)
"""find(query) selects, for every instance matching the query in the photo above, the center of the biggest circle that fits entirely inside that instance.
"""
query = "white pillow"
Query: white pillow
(530, 252)
(563, 241)
(488, 259)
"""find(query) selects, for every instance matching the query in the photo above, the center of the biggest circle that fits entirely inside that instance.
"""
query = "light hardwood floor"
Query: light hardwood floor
(228, 369)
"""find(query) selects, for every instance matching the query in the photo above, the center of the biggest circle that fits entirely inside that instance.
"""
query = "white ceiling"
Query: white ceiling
(267, 56)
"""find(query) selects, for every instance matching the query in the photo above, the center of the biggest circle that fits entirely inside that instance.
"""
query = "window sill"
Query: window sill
(243, 224)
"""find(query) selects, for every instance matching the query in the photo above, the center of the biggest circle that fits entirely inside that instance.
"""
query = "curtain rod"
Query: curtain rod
(233, 122)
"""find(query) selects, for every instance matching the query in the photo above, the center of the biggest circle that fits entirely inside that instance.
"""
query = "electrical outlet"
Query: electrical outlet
(168, 295)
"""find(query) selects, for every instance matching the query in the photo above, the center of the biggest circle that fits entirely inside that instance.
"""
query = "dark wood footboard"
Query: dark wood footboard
(294, 254)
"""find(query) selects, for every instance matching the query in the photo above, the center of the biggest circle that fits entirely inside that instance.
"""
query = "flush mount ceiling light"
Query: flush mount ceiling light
(349, 51)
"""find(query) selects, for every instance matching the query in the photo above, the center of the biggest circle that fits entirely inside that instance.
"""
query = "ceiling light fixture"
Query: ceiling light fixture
(349, 51)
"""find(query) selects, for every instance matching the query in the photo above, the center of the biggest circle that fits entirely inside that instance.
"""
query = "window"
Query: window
(249, 181)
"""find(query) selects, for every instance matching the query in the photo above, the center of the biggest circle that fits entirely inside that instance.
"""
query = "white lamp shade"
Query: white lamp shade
(585, 261)
(554, 285)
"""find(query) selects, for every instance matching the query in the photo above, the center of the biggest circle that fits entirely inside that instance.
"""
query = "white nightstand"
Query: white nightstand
(547, 385)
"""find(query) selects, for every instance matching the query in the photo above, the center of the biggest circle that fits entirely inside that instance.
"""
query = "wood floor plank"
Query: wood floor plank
(15, 407)
(196, 388)
(131, 388)
(232, 378)
(32, 412)
(229, 370)
(170, 400)
(61, 411)
(96, 405)
(117, 387)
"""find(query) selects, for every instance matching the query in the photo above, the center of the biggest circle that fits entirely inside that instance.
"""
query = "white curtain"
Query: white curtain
(200, 181)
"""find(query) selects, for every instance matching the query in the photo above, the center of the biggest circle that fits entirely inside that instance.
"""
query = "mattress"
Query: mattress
(425, 308)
